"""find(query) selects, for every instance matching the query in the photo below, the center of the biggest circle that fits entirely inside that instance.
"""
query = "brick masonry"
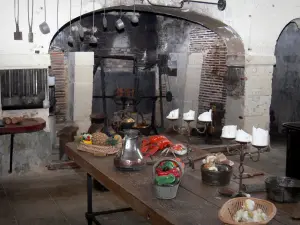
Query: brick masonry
(59, 71)
(212, 85)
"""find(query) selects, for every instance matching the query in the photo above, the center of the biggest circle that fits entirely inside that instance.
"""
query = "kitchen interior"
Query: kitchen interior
(119, 66)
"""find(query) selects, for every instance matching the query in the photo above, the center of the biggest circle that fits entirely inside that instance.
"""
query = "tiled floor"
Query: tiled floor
(59, 197)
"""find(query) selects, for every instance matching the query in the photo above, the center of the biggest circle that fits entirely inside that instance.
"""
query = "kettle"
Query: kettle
(129, 158)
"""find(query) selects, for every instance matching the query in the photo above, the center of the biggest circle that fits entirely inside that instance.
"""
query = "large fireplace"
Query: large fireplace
(160, 53)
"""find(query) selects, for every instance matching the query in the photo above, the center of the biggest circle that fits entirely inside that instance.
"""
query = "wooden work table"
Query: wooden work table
(195, 203)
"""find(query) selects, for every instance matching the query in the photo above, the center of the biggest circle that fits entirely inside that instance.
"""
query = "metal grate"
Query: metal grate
(23, 88)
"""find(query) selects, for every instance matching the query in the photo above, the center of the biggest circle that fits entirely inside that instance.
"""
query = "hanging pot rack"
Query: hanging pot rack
(221, 4)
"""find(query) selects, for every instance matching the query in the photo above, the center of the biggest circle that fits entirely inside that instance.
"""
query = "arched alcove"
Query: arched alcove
(285, 103)
(222, 48)
(232, 40)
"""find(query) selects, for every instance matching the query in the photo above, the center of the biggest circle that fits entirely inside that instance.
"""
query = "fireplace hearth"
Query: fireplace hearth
(161, 54)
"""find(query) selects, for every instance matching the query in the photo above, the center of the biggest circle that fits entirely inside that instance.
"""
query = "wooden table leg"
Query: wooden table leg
(11, 152)
(89, 214)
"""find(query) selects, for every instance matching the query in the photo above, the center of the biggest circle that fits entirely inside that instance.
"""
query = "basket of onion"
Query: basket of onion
(250, 211)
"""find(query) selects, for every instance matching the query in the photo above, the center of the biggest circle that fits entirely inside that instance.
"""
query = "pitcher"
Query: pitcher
(130, 158)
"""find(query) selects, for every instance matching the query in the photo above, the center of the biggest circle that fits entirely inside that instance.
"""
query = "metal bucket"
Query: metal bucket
(168, 191)
(217, 178)
(283, 189)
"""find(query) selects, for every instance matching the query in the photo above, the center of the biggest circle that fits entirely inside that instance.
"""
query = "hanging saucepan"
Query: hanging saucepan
(134, 18)
(119, 23)
(44, 27)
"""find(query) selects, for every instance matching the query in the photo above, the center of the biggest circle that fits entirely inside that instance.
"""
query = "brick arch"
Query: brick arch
(233, 42)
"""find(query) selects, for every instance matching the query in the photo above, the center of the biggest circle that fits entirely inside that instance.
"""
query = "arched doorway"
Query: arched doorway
(285, 104)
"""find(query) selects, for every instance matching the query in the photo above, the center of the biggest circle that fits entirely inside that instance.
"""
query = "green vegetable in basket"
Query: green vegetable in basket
(163, 180)
(168, 165)
(111, 141)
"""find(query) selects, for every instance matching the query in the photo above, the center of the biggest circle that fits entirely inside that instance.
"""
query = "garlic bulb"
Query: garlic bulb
(249, 205)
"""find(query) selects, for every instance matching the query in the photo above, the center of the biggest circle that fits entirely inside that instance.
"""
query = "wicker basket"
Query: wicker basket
(230, 207)
(98, 150)
(170, 191)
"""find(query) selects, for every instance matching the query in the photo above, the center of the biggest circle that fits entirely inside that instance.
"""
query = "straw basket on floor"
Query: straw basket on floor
(168, 191)
(228, 210)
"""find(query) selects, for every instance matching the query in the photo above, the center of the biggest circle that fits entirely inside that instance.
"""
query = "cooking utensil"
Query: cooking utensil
(296, 212)
(134, 18)
(70, 38)
(80, 28)
(44, 27)
(30, 22)
(217, 178)
(280, 189)
(104, 20)
(225, 191)
(252, 188)
(250, 175)
(57, 9)
(130, 157)
(18, 34)
(93, 39)
(169, 95)
(119, 23)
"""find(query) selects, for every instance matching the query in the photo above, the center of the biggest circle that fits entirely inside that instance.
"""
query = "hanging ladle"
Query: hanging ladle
(18, 33)
(70, 38)
(93, 39)
(80, 28)
(134, 18)
(44, 27)
(104, 21)
(30, 22)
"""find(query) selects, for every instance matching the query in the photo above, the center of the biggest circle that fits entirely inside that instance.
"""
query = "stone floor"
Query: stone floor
(59, 197)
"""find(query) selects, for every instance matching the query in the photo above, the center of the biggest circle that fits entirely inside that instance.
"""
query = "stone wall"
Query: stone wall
(31, 152)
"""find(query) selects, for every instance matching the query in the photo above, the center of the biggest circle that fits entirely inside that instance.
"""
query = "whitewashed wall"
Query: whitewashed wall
(258, 23)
